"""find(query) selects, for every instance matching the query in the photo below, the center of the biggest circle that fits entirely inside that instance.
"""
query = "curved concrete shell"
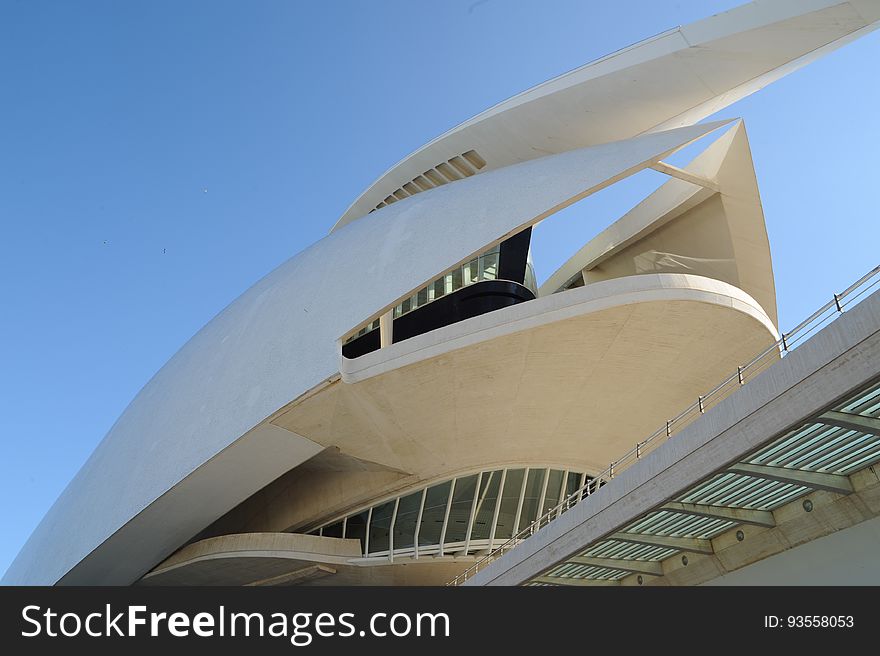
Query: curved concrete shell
(259, 425)
(673, 79)
(197, 419)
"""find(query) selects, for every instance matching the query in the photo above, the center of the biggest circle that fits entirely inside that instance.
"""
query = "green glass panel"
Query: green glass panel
(380, 527)
(509, 503)
(460, 511)
(405, 524)
(486, 498)
(433, 514)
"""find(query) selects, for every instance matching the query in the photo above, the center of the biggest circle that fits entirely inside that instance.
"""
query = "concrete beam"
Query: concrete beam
(625, 565)
(558, 580)
(851, 421)
(687, 176)
(816, 480)
(693, 545)
(386, 329)
(738, 515)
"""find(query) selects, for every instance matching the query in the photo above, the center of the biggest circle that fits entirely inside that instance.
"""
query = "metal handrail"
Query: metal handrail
(787, 341)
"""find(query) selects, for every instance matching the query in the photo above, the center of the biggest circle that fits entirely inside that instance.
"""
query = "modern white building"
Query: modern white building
(401, 398)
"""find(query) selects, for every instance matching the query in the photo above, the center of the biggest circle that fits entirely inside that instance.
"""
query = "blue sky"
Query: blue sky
(157, 158)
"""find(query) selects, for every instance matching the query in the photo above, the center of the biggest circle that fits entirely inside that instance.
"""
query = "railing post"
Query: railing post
(784, 343)
(668, 432)
(638, 450)
(837, 303)
(700, 403)
(739, 373)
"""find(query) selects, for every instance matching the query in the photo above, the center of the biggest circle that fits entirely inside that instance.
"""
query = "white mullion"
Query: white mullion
(562, 492)
(470, 526)
(497, 509)
(344, 526)
(391, 530)
(519, 505)
(367, 532)
(539, 511)
(419, 524)
(446, 516)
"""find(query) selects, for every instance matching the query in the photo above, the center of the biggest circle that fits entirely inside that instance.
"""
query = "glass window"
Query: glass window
(471, 271)
(509, 503)
(356, 528)
(439, 287)
(433, 514)
(534, 484)
(486, 499)
(405, 524)
(457, 279)
(333, 531)
(489, 266)
(406, 306)
(554, 487)
(572, 484)
(460, 511)
(422, 296)
(380, 527)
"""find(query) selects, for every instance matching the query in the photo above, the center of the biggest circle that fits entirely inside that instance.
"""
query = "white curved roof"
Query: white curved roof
(195, 442)
(190, 446)
(676, 78)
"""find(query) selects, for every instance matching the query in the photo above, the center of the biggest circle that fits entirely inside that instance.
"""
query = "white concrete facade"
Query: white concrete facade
(262, 396)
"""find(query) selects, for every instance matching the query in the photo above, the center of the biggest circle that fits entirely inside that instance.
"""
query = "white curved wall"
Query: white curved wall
(160, 475)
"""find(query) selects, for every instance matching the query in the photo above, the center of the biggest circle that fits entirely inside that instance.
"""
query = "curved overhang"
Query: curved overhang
(574, 379)
(674, 79)
(283, 559)
(577, 377)
(584, 302)
(154, 481)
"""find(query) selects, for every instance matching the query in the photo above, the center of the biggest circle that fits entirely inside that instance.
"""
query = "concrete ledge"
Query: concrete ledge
(841, 358)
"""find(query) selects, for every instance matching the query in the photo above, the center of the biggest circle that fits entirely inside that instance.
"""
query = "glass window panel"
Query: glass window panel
(439, 287)
(422, 296)
(471, 271)
(509, 502)
(486, 499)
(398, 310)
(405, 524)
(432, 516)
(554, 485)
(572, 484)
(333, 531)
(489, 266)
(460, 511)
(456, 279)
(530, 501)
(380, 527)
(448, 283)
(356, 528)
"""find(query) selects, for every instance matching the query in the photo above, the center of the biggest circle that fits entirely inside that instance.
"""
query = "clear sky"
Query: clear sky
(158, 157)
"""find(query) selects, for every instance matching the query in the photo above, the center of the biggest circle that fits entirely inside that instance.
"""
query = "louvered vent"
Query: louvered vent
(460, 166)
